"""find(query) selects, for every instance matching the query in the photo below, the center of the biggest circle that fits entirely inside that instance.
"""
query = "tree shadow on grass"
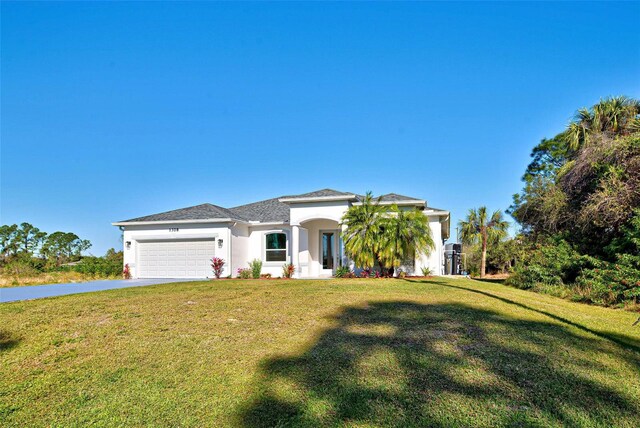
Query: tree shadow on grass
(407, 364)
(490, 280)
(625, 342)
(7, 341)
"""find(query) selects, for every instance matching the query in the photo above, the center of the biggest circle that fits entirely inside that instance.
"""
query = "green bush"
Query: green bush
(553, 263)
(343, 272)
(256, 268)
(244, 273)
(98, 266)
(611, 283)
(23, 265)
(556, 268)
(426, 271)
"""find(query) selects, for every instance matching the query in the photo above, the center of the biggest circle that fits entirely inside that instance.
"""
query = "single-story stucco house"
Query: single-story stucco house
(301, 229)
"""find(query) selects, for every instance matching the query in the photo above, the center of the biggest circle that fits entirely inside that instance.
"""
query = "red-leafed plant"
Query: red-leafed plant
(287, 270)
(217, 264)
(126, 272)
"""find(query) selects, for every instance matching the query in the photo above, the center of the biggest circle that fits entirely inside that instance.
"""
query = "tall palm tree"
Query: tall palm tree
(405, 233)
(479, 228)
(361, 237)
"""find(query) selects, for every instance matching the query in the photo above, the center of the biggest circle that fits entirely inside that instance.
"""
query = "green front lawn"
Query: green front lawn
(439, 352)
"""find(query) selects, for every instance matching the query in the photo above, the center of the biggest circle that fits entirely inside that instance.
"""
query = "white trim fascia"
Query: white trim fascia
(317, 199)
(268, 223)
(204, 220)
(436, 212)
(174, 237)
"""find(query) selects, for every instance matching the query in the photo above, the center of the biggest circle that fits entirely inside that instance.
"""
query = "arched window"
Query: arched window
(276, 247)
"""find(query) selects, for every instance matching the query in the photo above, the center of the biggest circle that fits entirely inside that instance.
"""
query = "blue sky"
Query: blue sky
(116, 110)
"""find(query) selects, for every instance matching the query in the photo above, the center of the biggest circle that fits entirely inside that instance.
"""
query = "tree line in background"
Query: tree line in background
(26, 250)
(579, 211)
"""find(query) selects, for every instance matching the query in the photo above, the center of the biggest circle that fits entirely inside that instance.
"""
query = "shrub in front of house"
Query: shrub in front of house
(126, 272)
(217, 264)
(426, 271)
(244, 273)
(343, 272)
(256, 268)
(287, 270)
(365, 273)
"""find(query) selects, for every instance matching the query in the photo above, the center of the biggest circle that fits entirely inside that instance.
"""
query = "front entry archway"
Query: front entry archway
(325, 250)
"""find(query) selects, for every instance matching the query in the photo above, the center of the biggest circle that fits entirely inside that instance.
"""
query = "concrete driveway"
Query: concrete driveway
(38, 291)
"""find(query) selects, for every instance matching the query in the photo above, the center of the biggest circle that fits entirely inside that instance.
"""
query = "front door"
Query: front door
(329, 251)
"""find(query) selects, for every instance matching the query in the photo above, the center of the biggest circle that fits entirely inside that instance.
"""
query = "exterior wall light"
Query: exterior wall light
(128, 244)
(219, 243)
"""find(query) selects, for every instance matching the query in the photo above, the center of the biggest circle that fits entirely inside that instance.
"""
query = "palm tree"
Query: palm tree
(405, 233)
(361, 237)
(614, 116)
(387, 236)
(478, 228)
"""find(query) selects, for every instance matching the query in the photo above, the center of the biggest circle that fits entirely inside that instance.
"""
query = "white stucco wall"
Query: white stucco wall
(257, 245)
(304, 252)
(303, 212)
(240, 244)
(433, 260)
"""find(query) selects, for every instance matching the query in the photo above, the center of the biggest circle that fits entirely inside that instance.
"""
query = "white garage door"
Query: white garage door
(176, 259)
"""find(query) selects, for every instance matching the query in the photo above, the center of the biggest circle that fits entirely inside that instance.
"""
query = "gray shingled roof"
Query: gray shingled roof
(434, 209)
(318, 194)
(390, 197)
(270, 210)
(394, 197)
(197, 212)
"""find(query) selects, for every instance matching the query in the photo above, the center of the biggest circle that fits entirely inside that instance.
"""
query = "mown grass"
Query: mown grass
(439, 352)
(50, 278)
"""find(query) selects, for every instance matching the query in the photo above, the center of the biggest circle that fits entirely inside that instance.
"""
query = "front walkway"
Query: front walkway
(38, 291)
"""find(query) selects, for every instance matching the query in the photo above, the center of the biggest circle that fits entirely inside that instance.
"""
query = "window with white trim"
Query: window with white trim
(275, 247)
